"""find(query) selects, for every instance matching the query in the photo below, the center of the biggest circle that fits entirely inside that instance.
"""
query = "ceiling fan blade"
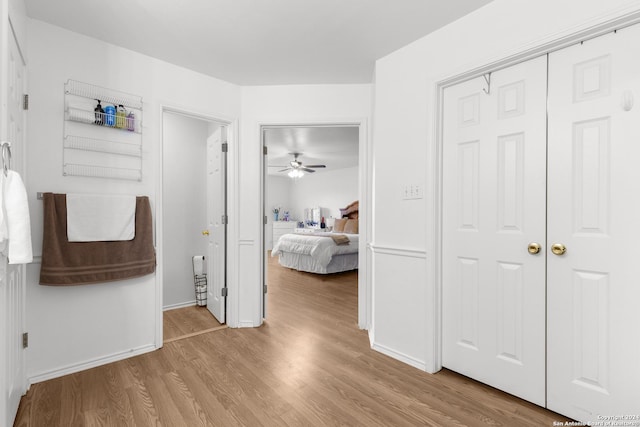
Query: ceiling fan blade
(306, 169)
(315, 166)
(284, 170)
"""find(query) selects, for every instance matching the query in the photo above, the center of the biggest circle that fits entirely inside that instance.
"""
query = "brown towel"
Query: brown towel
(67, 263)
(340, 239)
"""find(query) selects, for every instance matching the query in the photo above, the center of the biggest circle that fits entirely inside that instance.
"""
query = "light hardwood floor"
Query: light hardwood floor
(309, 365)
(187, 321)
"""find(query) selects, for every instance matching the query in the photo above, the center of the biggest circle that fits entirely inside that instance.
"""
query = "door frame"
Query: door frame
(545, 46)
(232, 126)
(365, 297)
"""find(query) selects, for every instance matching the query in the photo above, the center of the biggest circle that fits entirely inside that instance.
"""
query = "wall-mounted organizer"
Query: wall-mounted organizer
(102, 132)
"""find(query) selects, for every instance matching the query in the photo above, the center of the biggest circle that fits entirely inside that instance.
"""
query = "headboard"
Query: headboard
(351, 211)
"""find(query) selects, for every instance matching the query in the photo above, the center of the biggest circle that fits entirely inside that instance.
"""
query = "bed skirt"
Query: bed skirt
(338, 263)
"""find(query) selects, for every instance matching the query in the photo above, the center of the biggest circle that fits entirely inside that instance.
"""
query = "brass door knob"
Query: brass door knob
(205, 232)
(534, 248)
(558, 248)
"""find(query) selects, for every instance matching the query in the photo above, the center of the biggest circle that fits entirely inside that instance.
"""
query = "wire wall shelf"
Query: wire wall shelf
(102, 135)
(111, 121)
(110, 96)
(102, 146)
(71, 169)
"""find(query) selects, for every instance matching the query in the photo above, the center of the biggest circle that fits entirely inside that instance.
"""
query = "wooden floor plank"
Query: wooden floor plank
(309, 364)
(187, 320)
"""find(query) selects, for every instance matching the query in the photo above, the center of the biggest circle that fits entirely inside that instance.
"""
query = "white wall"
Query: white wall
(331, 190)
(303, 104)
(184, 156)
(405, 324)
(71, 328)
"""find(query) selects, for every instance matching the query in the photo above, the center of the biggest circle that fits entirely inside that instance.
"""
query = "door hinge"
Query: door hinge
(265, 220)
(264, 150)
(224, 220)
(224, 292)
(264, 289)
(25, 340)
(25, 101)
(225, 147)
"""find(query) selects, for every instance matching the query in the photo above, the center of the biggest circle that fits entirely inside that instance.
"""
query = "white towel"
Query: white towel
(4, 231)
(198, 265)
(17, 221)
(100, 217)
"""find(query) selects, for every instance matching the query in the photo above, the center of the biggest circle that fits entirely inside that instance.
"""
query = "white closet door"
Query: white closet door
(594, 211)
(494, 160)
(216, 218)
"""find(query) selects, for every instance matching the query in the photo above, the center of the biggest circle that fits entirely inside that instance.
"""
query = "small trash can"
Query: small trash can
(200, 280)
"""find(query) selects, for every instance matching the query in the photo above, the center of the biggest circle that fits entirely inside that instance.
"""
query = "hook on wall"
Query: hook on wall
(6, 156)
(487, 79)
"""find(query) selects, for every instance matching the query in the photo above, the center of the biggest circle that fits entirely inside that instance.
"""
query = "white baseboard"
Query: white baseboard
(179, 305)
(420, 364)
(246, 324)
(82, 366)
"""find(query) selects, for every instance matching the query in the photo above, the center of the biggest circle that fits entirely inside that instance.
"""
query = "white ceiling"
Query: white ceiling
(258, 42)
(335, 147)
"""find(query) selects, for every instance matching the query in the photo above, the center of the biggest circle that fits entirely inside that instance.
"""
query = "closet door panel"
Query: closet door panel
(594, 211)
(494, 150)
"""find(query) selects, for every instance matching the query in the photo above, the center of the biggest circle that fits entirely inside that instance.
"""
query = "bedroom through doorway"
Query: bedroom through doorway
(311, 188)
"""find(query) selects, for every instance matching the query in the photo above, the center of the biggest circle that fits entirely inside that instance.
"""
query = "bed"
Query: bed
(317, 252)
(323, 252)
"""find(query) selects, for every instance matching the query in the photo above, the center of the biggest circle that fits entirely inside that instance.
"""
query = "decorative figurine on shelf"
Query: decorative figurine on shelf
(276, 211)
(285, 216)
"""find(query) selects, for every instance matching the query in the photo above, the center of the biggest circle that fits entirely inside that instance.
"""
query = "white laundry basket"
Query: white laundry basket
(199, 280)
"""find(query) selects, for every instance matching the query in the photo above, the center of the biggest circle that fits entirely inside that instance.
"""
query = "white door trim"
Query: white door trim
(232, 209)
(365, 190)
(616, 20)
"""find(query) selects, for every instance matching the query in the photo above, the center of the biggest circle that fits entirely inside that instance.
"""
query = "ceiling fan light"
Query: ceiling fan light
(295, 173)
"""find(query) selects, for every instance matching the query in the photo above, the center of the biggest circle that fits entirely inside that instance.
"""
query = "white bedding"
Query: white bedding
(319, 246)
(339, 263)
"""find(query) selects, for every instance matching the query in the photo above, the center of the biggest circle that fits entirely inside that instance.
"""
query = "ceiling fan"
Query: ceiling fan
(295, 164)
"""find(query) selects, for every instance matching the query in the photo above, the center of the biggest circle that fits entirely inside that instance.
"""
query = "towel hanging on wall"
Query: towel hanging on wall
(15, 225)
(18, 223)
(100, 217)
(67, 263)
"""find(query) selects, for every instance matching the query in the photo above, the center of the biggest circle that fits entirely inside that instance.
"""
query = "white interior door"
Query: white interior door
(594, 211)
(494, 153)
(216, 218)
(12, 283)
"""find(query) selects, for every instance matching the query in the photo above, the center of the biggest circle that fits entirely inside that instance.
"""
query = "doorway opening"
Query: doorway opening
(194, 221)
(311, 180)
